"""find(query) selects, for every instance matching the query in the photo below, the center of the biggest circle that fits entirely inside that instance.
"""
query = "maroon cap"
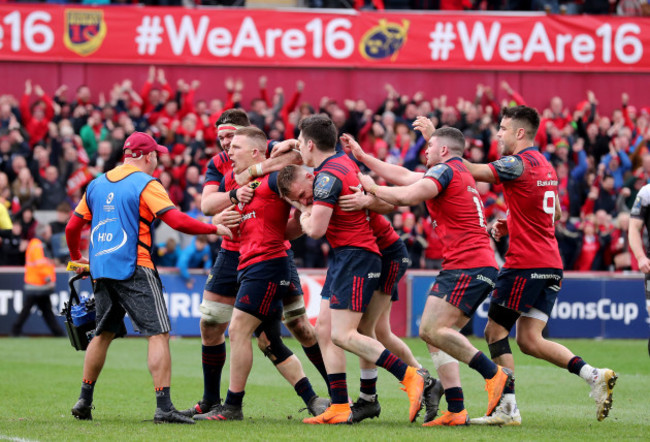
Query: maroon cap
(142, 143)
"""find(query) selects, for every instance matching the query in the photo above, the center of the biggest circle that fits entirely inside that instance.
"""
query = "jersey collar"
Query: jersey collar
(336, 155)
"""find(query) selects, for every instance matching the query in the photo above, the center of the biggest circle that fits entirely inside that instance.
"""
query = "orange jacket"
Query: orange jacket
(38, 268)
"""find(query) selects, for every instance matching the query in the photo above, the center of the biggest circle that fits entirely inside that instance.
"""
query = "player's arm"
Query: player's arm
(481, 172)
(78, 220)
(273, 164)
(636, 244)
(390, 172)
(359, 200)
(410, 195)
(314, 223)
(294, 229)
(558, 209)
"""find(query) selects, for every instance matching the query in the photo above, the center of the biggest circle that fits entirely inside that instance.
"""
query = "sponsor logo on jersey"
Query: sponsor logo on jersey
(84, 30)
(248, 216)
(546, 183)
(384, 40)
(436, 171)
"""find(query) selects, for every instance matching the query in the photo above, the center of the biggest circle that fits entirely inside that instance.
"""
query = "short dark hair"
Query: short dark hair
(454, 139)
(234, 116)
(257, 135)
(320, 130)
(286, 177)
(524, 117)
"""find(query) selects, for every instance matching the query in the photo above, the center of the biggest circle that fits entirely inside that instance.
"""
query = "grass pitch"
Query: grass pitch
(40, 380)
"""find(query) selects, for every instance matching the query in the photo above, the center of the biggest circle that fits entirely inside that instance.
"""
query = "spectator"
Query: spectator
(53, 190)
(166, 254)
(195, 256)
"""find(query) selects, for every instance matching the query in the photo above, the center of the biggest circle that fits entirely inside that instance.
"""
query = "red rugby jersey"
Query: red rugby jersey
(263, 225)
(334, 177)
(458, 217)
(530, 187)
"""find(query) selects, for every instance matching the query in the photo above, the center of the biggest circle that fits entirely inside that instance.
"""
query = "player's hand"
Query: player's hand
(224, 231)
(243, 178)
(425, 126)
(357, 200)
(644, 264)
(366, 181)
(284, 147)
(229, 218)
(245, 194)
(298, 205)
(350, 143)
(499, 229)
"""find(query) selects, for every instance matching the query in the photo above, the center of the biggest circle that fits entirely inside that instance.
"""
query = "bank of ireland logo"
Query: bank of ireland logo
(384, 40)
(109, 198)
(84, 30)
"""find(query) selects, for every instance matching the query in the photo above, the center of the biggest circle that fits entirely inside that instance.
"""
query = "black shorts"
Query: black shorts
(222, 279)
(394, 263)
(140, 296)
(524, 289)
(465, 289)
(262, 287)
(354, 276)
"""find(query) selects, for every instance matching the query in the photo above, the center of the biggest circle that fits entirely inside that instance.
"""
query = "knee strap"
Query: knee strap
(505, 317)
(499, 348)
(276, 351)
(294, 310)
(213, 312)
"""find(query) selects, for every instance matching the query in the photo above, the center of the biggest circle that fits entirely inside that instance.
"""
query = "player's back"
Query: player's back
(459, 220)
(530, 197)
(346, 229)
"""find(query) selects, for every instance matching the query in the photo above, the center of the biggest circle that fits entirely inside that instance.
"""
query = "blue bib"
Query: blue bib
(115, 227)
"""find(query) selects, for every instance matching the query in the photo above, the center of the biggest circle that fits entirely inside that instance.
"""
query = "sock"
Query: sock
(393, 364)
(483, 365)
(368, 384)
(316, 357)
(87, 390)
(338, 388)
(575, 365)
(235, 399)
(213, 358)
(304, 390)
(163, 398)
(454, 397)
(589, 374)
(509, 388)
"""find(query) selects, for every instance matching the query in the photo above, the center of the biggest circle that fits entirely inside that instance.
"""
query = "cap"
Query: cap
(142, 143)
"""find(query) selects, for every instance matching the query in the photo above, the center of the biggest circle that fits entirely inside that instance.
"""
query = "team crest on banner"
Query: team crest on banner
(84, 30)
(384, 40)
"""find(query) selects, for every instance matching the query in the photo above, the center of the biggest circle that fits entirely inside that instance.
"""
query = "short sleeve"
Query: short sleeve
(507, 168)
(155, 197)
(82, 210)
(327, 189)
(212, 175)
(441, 174)
(641, 203)
(273, 182)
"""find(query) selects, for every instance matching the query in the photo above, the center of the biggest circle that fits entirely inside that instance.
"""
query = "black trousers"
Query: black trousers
(41, 299)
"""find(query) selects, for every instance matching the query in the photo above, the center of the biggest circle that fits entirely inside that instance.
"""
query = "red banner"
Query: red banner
(304, 39)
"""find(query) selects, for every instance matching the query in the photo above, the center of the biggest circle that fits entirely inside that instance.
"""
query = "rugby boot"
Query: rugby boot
(200, 407)
(449, 419)
(223, 412)
(82, 410)
(495, 385)
(363, 409)
(604, 380)
(506, 414)
(335, 414)
(170, 417)
(317, 405)
(413, 383)
(433, 391)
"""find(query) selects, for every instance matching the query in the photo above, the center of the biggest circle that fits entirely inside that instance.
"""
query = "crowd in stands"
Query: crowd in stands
(52, 143)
